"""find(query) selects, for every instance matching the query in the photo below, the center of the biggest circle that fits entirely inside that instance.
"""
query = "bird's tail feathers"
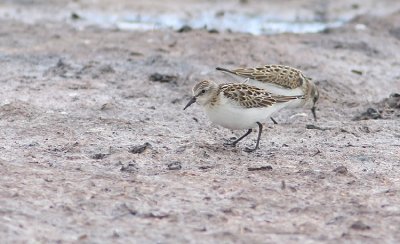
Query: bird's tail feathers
(225, 70)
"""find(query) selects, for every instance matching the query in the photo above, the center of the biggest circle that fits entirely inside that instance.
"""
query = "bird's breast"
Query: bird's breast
(235, 117)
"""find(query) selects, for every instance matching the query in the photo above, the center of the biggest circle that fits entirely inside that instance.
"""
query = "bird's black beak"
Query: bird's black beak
(193, 100)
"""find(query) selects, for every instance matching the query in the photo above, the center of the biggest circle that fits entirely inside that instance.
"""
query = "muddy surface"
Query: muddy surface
(96, 147)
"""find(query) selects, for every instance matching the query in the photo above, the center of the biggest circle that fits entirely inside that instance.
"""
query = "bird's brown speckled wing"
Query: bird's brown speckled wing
(280, 75)
(251, 96)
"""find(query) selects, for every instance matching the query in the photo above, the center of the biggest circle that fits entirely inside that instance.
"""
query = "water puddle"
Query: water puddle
(130, 21)
(256, 25)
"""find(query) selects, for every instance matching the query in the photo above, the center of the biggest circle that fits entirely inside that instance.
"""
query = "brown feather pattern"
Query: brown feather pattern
(281, 75)
(251, 96)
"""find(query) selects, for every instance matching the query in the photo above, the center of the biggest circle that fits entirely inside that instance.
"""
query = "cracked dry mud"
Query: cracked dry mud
(96, 149)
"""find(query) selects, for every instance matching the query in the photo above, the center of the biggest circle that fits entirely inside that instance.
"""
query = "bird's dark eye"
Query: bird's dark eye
(203, 91)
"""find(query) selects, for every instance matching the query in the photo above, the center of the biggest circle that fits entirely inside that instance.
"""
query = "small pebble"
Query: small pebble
(213, 31)
(184, 28)
(99, 156)
(175, 166)
(358, 72)
(371, 113)
(139, 148)
(359, 225)
(283, 185)
(163, 78)
(341, 170)
(75, 16)
(130, 168)
(268, 167)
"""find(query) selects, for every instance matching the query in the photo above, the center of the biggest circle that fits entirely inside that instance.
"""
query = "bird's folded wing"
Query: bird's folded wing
(252, 97)
(280, 75)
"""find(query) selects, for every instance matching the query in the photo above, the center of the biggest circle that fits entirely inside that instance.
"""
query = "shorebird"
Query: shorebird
(238, 106)
(281, 80)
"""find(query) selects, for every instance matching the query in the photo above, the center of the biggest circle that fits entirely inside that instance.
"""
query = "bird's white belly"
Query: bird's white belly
(234, 118)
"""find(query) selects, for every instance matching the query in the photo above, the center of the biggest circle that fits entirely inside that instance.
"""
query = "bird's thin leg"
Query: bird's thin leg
(240, 138)
(313, 112)
(258, 138)
(273, 120)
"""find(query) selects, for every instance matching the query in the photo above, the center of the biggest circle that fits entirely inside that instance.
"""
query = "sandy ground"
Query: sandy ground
(95, 148)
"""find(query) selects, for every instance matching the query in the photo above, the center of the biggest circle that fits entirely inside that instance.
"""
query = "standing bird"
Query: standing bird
(238, 106)
(282, 80)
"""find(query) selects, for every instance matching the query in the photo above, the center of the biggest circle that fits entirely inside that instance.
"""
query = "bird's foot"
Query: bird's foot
(249, 150)
(231, 142)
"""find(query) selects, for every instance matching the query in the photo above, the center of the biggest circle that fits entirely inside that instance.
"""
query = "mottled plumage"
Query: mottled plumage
(252, 97)
(282, 80)
(280, 75)
(238, 106)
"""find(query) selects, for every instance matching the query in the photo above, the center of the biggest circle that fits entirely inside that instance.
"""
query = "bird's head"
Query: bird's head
(203, 92)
